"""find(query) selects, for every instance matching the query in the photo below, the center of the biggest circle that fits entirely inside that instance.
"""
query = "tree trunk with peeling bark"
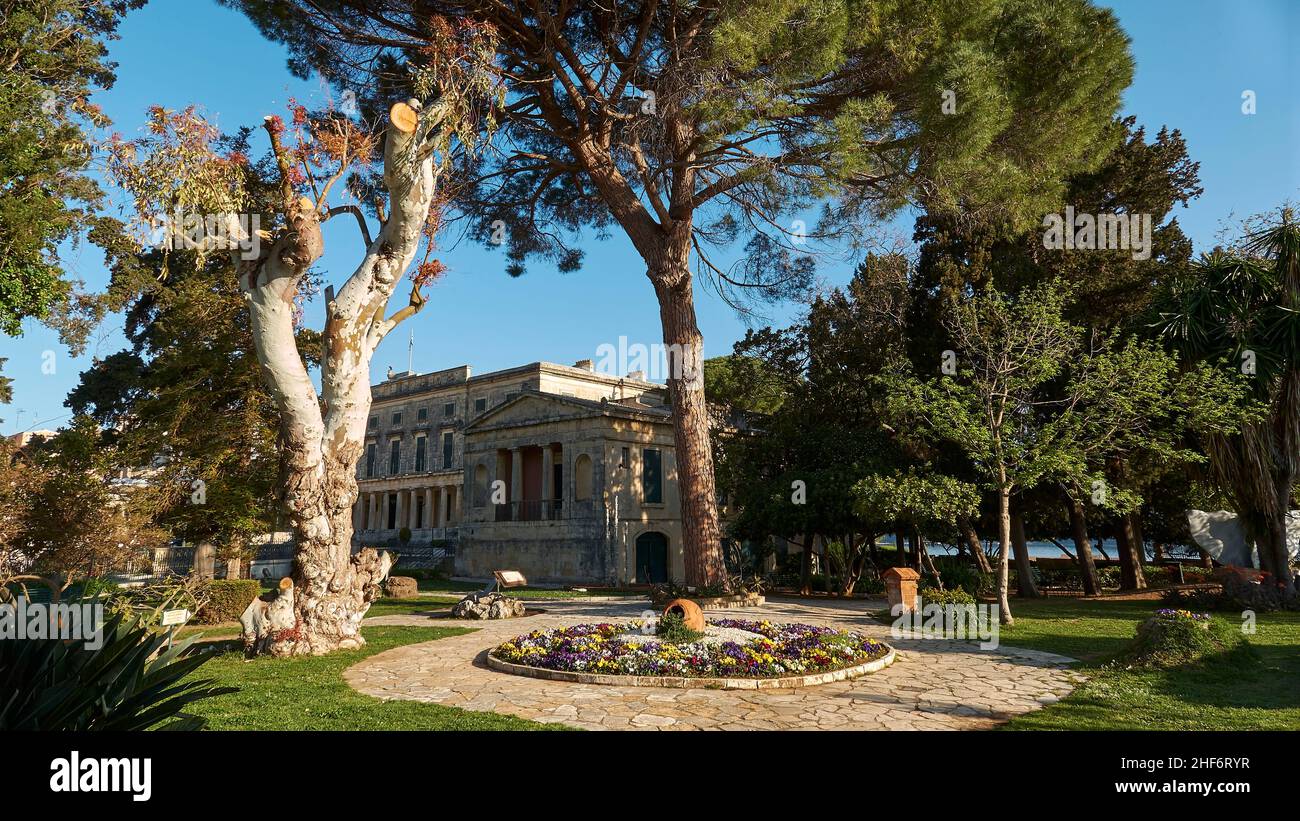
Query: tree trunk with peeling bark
(322, 437)
(1004, 559)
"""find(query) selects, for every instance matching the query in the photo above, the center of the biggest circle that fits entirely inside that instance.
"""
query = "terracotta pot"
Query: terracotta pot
(692, 615)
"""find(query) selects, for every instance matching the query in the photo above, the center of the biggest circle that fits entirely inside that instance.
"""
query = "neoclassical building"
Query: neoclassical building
(563, 473)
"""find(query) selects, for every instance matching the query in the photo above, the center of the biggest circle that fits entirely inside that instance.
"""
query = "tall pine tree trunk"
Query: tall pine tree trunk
(701, 534)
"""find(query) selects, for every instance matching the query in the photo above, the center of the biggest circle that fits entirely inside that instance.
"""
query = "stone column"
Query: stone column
(444, 506)
(548, 480)
(517, 483)
(428, 507)
(372, 513)
(416, 513)
(384, 502)
(401, 509)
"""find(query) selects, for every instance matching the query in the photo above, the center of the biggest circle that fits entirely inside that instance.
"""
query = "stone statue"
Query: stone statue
(1221, 535)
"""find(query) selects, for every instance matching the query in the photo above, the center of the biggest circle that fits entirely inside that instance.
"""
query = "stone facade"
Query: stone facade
(563, 473)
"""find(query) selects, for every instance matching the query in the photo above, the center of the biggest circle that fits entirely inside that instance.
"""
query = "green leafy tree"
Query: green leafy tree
(75, 518)
(186, 404)
(962, 252)
(917, 499)
(792, 473)
(1036, 398)
(54, 56)
(695, 127)
(1008, 349)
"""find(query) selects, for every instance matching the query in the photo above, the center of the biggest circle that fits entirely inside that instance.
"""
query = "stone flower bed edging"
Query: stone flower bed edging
(684, 682)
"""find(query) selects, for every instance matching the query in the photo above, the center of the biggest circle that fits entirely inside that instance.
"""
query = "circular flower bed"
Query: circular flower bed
(1174, 637)
(1171, 614)
(777, 650)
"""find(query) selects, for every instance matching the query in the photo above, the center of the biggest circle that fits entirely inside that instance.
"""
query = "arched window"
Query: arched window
(582, 478)
(480, 485)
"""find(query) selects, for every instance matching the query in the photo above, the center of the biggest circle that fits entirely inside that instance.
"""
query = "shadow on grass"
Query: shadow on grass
(1240, 676)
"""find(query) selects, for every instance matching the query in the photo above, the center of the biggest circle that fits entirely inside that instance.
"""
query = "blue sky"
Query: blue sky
(1194, 60)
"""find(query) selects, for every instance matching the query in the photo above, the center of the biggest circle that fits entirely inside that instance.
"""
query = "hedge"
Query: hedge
(227, 599)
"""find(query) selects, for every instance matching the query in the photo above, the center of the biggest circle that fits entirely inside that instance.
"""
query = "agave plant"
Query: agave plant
(131, 681)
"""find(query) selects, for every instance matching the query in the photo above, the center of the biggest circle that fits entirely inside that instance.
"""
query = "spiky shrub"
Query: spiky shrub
(131, 682)
(672, 629)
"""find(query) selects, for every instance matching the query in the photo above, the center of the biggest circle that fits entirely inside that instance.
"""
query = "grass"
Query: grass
(1252, 685)
(421, 606)
(309, 693)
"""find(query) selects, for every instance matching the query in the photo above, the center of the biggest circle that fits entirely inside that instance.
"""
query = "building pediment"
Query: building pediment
(533, 407)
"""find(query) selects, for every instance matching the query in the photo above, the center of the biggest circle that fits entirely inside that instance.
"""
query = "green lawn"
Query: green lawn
(309, 693)
(424, 605)
(1254, 685)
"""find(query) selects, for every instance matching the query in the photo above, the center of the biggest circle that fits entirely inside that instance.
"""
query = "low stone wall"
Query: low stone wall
(730, 602)
(680, 682)
(545, 552)
(720, 602)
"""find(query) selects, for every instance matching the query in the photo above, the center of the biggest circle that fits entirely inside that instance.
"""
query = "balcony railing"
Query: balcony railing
(537, 510)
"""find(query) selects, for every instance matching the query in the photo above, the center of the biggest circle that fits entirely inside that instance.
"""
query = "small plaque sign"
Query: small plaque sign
(510, 578)
(171, 618)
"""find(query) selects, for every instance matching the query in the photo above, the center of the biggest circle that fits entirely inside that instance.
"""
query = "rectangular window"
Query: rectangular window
(449, 409)
(446, 450)
(480, 405)
(419, 454)
(652, 476)
(395, 457)
(397, 419)
(370, 425)
(370, 459)
(422, 414)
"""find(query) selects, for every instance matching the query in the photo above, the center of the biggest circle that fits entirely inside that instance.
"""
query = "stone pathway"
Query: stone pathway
(935, 685)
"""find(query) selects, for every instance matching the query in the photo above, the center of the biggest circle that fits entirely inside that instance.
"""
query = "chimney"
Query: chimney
(584, 364)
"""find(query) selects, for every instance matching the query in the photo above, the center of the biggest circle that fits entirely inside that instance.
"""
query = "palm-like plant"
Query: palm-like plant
(1242, 306)
(131, 682)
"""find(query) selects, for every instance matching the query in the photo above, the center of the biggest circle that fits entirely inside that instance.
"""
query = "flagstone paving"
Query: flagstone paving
(934, 685)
